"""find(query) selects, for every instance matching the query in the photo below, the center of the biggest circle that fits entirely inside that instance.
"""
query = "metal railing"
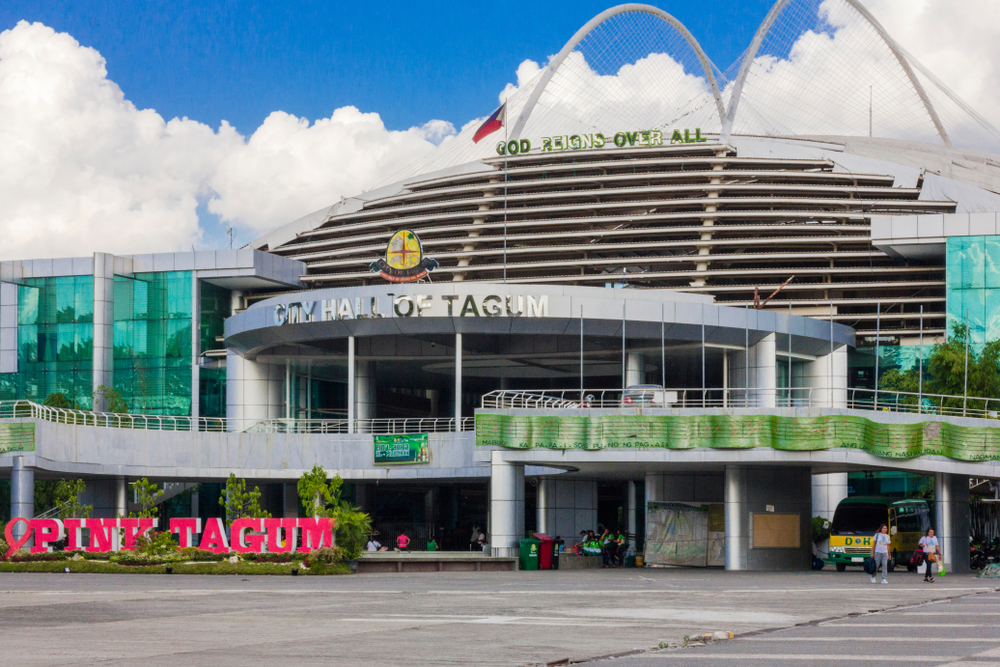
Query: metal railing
(796, 397)
(374, 426)
(32, 410)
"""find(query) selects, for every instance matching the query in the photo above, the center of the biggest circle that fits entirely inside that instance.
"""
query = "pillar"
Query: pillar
(736, 508)
(121, 497)
(365, 389)
(249, 392)
(826, 377)
(351, 415)
(634, 369)
(506, 498)
(633, 526)
(764, 371)
(546, 496)
(458, 381)
(951, 519)
(290, 500)
(104, 325)
(22, 494)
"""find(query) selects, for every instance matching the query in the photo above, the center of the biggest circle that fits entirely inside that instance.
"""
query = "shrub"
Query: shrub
(820, 528)
(194, 553)
(4, 547)
(326, 556)
(270, 558)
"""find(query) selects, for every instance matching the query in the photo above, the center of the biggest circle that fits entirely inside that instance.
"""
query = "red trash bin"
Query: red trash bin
(545, 551)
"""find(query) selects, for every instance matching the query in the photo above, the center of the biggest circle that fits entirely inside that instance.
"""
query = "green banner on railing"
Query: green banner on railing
(17, 437)
(894, 441)
(408, 448)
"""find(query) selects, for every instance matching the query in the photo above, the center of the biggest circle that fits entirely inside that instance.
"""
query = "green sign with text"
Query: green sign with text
(17, 437)
(397, 449)
(894, 441)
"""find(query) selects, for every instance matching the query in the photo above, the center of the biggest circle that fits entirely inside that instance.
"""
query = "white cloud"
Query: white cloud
(289, 167)
(84, 170)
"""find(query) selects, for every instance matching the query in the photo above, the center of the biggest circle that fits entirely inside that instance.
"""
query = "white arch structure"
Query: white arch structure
(553, 66)
(765, 27)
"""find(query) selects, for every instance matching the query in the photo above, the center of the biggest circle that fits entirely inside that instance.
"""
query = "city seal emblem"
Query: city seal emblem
(404, 259)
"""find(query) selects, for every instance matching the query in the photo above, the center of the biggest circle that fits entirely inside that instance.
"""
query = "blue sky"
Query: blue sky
(410, 62)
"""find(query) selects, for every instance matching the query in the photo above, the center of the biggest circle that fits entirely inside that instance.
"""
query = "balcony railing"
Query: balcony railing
(796, 397)
(31, 410)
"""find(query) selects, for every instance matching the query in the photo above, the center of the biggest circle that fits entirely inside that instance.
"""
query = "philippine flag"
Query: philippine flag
(496, 121)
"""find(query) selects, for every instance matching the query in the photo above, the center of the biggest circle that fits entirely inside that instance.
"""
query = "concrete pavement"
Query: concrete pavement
(503, 618)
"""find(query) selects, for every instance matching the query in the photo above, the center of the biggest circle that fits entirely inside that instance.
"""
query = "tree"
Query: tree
(320, 496)
(239, 502)
(147, 496)
(58, 400)
(945, 373)
(113, 401)
(67, 499)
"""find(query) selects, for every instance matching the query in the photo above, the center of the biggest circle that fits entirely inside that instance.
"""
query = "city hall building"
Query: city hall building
(578, 313)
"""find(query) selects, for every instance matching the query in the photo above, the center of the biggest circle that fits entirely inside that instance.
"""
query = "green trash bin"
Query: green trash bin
(529, 553)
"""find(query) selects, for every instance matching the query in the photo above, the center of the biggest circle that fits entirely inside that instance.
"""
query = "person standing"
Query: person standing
(880, 552)
(932, 552)
(402, 542)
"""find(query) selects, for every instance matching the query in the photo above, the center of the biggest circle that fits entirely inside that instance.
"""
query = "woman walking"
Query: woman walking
(932, 553)
(880, 552)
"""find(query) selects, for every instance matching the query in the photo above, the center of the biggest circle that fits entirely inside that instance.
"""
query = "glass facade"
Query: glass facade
(153, 319)
(973, 285)
(861, 362)
(55, 341)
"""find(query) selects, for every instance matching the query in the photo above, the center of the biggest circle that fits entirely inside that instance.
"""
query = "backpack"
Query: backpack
(870, 566)
(917, 559)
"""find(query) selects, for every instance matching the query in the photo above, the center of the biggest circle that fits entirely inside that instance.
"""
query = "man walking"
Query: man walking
(880, 552)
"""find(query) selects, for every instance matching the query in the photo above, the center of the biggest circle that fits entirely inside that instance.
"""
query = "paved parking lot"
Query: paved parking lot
(502, 618)
(961, 632)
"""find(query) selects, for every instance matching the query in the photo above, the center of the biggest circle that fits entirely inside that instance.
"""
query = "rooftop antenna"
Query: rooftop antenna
(231, 232)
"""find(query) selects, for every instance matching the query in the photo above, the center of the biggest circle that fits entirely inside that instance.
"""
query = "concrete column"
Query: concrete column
(22, 494)
(737, 533)
(764, 371)
(121, 497)
(365, 389)
(827, 378)
(506, 498)
(350, 385)
(634, 369)
(654, 486)
(827, 491)
(458, 380)
(951, 514)
(546, 492)
(195, 502)
(290, 499)
(633, 526)
(104, 325)
(248, 394)
(195, 346)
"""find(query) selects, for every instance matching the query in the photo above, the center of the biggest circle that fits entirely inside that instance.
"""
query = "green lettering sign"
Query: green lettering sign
(402, 449)
(17, 437)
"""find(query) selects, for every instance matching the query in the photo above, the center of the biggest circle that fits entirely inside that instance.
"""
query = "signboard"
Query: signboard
(412, 305)
(17, 437)
(598, 140)
(248, 535)
(404, 259)
(891, 441)
(402, 449)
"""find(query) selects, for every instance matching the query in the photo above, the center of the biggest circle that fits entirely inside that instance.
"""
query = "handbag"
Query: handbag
(917, 559)
(932, 558)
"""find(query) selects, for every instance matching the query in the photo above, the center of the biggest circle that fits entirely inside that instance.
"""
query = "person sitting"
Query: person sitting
(432, 545)
(374, 544)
